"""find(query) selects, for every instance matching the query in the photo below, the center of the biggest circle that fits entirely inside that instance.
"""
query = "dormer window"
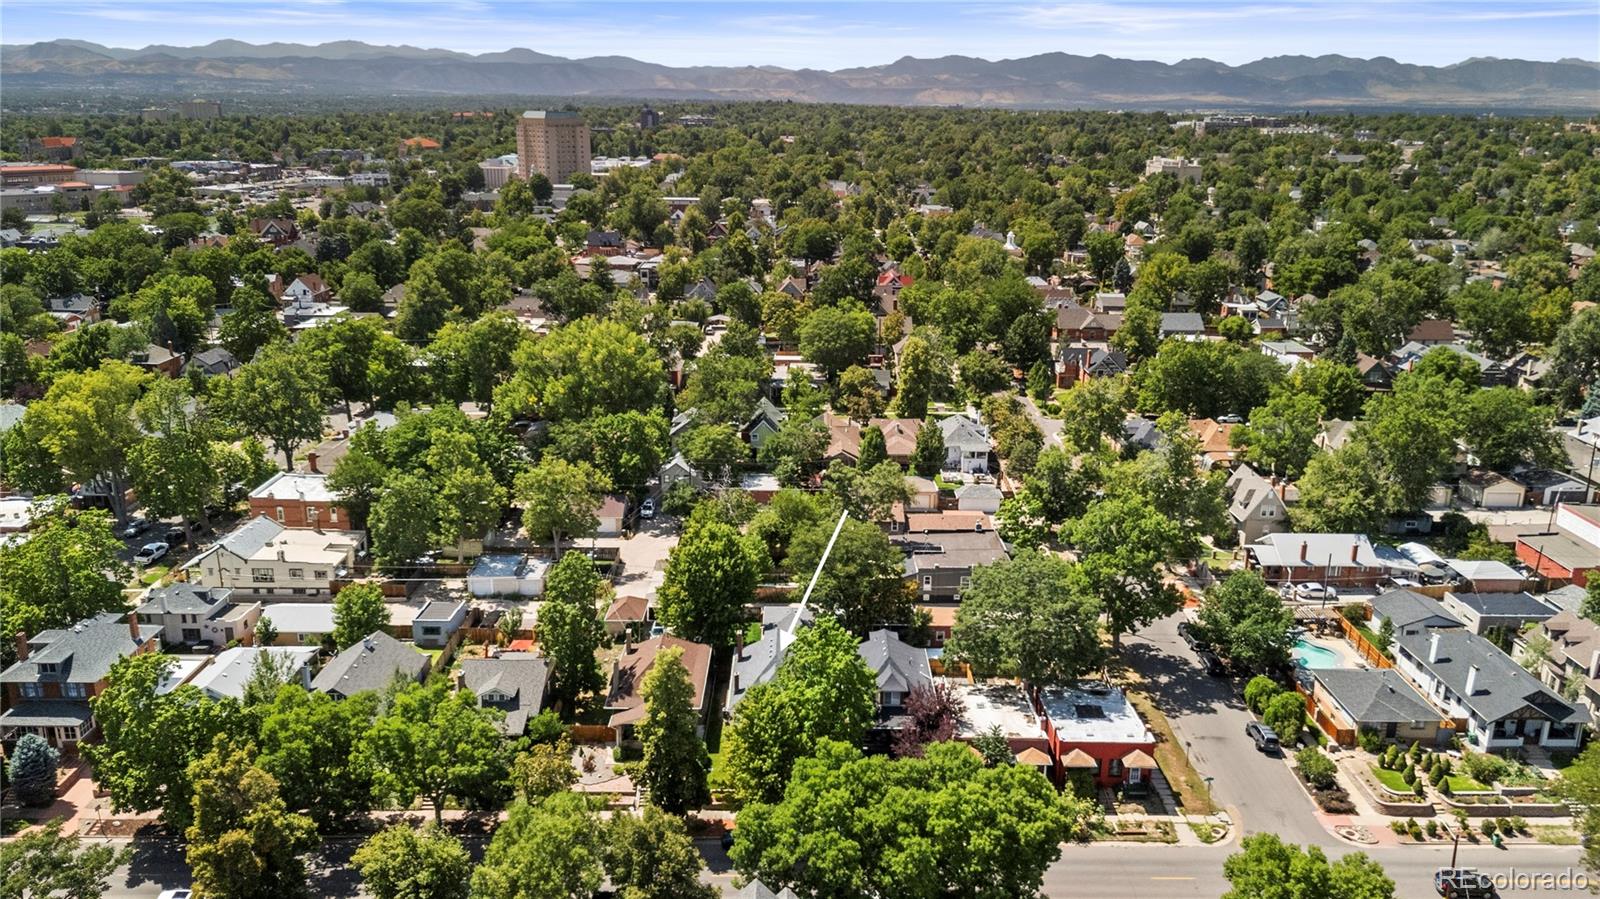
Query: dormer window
(48, 668)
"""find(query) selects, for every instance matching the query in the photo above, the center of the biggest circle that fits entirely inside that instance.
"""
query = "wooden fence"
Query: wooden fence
(592, 733)
(1368, 651)
(1344, 736)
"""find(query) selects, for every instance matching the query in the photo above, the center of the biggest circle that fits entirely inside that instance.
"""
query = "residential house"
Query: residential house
(624, 699)
(372, 664)
(1572, 665)
(1216, 442)
(276, 231)
(58, 671)
(1487, 489)
(1333, 559)
(516, 683)
(188, 614)
(1077, 364)
(507, 574)
(1093, 728)
(1499, 705)
(1139, 434)
(157, 360)
(213, 361)
(74, 311)
(626, 616)
(1484, 613)
(300, 623)
(1374, 373)
(1256, 506)
(1183, 325)
(262, 558)
(1379, 700)
(940, 565)
(966, 444)
(756, 662)
(1432, 332)
(1335, 434)
(979, 497)
(1410, 613)
(307, 290)
(764, 422)
(1288, 353)
(844, 437)
(1487, 576)
(676, 470)
(298, 499)
(1006, 708)
(437, 622)
(898, 667)
(230, 672)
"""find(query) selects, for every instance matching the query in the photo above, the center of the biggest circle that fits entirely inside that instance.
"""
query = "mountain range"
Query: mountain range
(1049, 80)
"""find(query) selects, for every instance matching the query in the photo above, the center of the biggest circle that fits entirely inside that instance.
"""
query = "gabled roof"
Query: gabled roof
(1500, 687)
(1499, 605)
(232, 669)
(1409, 610)
(1375, 695)
(372, 664)
(519, 676)
(1250, 492)
(81, 654)
(183, 598)
(899, 668)
(624, 698)
(963, 433)
(439, 610)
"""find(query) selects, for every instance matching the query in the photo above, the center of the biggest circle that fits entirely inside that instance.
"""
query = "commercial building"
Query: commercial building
(554, 144)
(1180, 168)
(200, 109)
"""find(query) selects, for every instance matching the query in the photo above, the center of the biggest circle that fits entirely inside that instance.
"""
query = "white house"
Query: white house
(262, 558)
(231, 670)
(966, 444)
(1470, 679)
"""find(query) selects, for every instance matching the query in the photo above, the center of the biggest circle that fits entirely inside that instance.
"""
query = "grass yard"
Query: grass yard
(1391, 779)
(153, 574)
(1554, 834)
(1462, 783)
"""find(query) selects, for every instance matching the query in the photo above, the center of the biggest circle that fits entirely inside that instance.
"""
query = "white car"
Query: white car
(150, 553)
(136, 526)
(175, 894)
(1314, 590)
(647, 511)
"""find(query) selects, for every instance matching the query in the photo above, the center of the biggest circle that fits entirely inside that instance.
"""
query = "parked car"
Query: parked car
(150, 553)
(136, 526)
(647, 511)
(1213, 662)
(727, 840)
(1314, 590)
(1266, 739)
(175, 894)
(176, 535)
(1187, 631)
(1463, 883)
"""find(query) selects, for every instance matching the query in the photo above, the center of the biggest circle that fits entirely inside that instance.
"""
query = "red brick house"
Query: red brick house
(57, 672)
(1094, 728)
(299, 499)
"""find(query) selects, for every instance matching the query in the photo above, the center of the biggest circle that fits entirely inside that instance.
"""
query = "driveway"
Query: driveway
(643, 555)
(1210, 717)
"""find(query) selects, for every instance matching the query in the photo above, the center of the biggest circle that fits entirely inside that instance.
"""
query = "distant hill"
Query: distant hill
(1050, 80)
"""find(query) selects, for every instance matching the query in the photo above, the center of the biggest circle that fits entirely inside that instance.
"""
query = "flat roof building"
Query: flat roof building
(554, 144)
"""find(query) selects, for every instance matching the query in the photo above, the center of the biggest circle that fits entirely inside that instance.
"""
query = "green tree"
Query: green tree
(711, 575)
(175, 308)
(1092, 412)
(469, 503)
(1580, 784)
(1412, 434)
(675, 759)
(1032, 617)
(149, 739)
(715, 451)
(916, 379)
(252, 324)
(468, 361)
(586, 368)
(1281, 435)
(544, 770)
(403, 522)
(43, 862)
(1124, 542)
(570, 630)
(560, 498)
(1248, 622)
(1268, 868)
(358, 612)
(279, 396)
(821, 691)
(86, 421)
(1285, 714)
(927, 457)
(650, 856)
(1575, 356)
(308, 741)
(627, 447)
(401, 862)
(864, 580)
(32, 770)
(243, 842)
(836, 337)
(174, 469)
(927, 808)
(1343, 492)
(547, 850)
(436, 743)
(1504, 428)
(66, 571)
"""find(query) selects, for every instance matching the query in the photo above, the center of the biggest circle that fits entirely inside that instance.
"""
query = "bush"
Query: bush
(1432, 828)
(1518, 824)
(1260, 691)
(1409, 775)
(1436, 774)
(1416, 833)
(1353, 614)
(1415, 752)
(1489, 828)
(1370, 740)
(1286, 714)
(1317, 769)
(1399, 827)
(1420, 790)
(1391, 758)
(1484, 767)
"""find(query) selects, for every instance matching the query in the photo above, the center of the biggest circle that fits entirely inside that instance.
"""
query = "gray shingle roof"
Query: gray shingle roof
(1501, 686)
(1517, 605)
(183, 598)
(81, 654)
(899, 667)
(1410, 610)
(371, 664)
(522, 676)
(248, 539)
(1375, 695)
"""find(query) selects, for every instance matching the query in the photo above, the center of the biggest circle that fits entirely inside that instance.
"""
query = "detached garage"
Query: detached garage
(504, 574)
(1490, 490)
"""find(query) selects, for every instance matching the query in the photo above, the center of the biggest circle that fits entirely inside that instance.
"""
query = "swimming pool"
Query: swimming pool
(1310, 655)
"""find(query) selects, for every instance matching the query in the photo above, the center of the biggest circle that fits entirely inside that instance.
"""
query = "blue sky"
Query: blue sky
(841, 34)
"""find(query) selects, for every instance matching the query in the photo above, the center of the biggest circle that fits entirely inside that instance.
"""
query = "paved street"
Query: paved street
(1051, 427)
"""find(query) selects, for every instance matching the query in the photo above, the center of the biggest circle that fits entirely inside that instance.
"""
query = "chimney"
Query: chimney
(311, 463)
(1355, 549)
(1303, 550)
(22, 646)
(1472, 680)
(133, 626)
(1433, 648)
